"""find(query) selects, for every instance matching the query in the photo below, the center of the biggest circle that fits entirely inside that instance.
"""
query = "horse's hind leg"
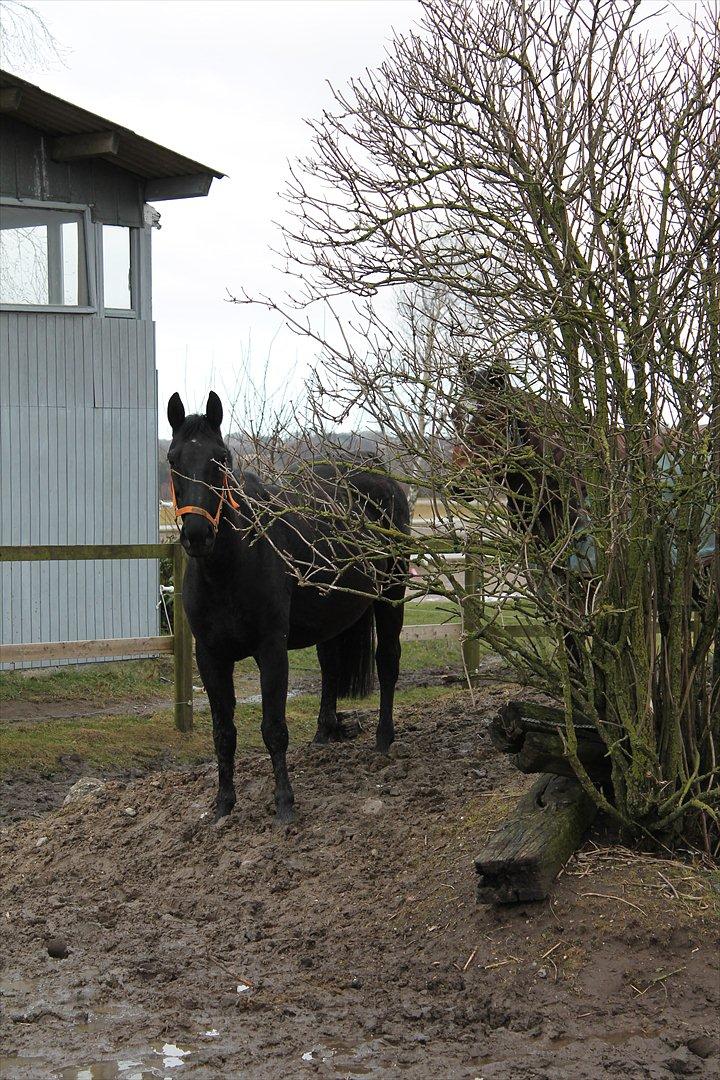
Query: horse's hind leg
(217, 677)
(388, 624)
(330, 728)
(327, 717)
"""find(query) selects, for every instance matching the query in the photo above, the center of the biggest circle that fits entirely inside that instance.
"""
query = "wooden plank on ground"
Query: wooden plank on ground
(524, 856)
(77, 650)
(532, 734)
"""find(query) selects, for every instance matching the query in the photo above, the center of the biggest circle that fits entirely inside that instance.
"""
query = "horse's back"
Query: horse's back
(382, 497)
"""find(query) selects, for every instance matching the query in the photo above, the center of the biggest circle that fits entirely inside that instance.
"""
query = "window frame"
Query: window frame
(83, 210)
(133, 312)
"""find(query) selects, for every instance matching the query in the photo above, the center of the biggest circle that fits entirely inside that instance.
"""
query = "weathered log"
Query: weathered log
(532, 735)
(525, 855)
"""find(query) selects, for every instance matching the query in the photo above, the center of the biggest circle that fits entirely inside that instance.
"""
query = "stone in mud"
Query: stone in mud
(373, 807)
(704, 1046)
(83, 788)
(681, 1063)
(57, 948)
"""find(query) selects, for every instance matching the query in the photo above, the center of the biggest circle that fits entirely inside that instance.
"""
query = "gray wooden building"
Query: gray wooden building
(78, 386)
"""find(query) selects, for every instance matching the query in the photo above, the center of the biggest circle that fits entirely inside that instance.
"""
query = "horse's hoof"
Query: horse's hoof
(341, 732)
(222, 810)
(284, 815)
(383, 747)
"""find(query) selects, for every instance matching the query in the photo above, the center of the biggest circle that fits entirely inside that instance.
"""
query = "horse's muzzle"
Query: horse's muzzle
(197, 536)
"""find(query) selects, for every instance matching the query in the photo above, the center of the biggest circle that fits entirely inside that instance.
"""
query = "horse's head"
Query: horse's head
(199, 461)
(479, 382)
(482, 415)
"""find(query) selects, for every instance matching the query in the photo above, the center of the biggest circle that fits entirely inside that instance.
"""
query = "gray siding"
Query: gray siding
(78, 464)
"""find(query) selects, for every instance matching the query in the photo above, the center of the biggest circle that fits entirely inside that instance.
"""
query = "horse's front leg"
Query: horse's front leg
(217, 677)
(272, 659)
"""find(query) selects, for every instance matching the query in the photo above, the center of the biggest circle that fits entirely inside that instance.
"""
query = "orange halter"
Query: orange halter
(226, 495)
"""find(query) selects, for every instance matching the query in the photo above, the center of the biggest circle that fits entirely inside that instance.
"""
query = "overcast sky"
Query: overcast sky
(228, 83)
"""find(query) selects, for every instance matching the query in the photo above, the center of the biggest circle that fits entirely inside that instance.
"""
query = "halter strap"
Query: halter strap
(226, 495)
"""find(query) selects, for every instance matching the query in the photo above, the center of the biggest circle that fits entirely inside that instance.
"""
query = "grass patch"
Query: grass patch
(127, 740)
(116, 743)
(430, 612)
(137, 679)
(147, 681)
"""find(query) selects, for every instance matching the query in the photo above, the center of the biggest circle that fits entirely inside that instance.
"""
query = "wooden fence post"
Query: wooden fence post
(471, 645)
(183, 647)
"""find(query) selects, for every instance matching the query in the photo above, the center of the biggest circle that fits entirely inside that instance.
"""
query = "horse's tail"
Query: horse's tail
(355, 657)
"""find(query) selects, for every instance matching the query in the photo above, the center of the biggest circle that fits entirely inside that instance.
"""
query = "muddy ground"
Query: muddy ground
(350, 943)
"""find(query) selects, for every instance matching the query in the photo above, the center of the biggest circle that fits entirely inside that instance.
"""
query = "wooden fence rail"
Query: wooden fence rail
(179, 643)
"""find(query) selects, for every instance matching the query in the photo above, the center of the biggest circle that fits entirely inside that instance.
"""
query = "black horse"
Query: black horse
(272, 570)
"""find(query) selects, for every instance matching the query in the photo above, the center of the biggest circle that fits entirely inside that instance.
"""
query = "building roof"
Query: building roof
(82, 134)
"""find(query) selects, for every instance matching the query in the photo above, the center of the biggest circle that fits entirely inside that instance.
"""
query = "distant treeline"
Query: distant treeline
(275, 457)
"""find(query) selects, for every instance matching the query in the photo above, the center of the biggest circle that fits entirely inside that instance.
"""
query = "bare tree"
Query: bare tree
(549, 168)
(25, 40)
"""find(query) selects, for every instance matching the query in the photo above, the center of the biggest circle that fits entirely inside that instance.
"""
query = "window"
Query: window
(42, 257)
(117, 267)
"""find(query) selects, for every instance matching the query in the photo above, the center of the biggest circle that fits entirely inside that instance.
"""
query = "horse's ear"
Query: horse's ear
(176, 411)
(214, 410)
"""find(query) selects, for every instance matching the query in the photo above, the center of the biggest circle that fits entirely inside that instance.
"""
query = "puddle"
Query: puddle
(16, 1066)
(161, 1061)
(129, 1069)
(169, 1059)
(618, 1038)
(172, 1055)
(343, 1059)
(256, 699)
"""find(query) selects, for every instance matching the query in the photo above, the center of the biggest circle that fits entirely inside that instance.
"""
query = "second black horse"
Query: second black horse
(273, 569)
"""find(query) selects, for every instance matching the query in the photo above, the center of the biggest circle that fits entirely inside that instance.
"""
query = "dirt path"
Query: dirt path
(349, 944)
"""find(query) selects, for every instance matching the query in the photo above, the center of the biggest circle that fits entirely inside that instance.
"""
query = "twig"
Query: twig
(470, 959)
(501, 963)
(606, 896)
(222, 964)
(669, 885)
(659, 979)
